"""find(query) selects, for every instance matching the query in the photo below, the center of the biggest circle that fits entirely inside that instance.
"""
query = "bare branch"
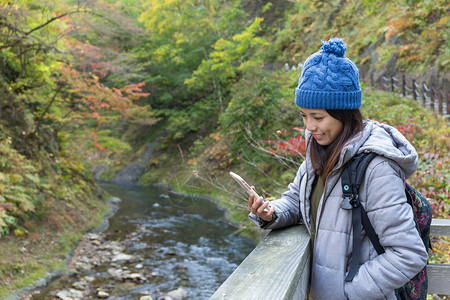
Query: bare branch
(52, 20)
(238, 194)
(28, 34)
(39, 119)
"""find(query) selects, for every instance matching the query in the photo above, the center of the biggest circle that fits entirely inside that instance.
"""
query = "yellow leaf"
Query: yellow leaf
(19, 232)
(443, 21)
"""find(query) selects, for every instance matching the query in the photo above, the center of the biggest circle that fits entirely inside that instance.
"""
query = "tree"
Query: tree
(181, 35)
(228, 58)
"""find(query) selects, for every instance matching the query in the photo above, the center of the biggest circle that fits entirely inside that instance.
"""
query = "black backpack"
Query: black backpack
(351, 179)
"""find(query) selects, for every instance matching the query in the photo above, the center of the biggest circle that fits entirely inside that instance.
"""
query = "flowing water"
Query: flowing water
(180, 242)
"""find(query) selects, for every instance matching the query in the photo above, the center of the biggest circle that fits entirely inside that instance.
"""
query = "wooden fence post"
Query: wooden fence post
(448, 104)
(432, 91)
(404, 85)
(441, 100)
(424, 91)
(392, 84)
(414, 89)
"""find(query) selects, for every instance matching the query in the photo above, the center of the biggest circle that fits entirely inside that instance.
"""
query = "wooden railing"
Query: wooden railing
(436, 98)
(278, 268)
(432, 97)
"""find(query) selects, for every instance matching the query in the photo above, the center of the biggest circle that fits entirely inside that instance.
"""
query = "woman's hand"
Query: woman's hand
(260, 207)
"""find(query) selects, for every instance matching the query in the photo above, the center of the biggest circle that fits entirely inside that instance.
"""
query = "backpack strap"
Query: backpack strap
(371, 232)
(356, 252)
(351, 179)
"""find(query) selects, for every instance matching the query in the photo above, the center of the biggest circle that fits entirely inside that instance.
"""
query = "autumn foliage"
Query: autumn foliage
(294, 146)
(92, 99)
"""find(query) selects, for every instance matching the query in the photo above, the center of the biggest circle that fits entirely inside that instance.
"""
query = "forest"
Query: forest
(86, 85)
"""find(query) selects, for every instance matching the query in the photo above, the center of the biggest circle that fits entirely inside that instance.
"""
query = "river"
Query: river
(173, 242)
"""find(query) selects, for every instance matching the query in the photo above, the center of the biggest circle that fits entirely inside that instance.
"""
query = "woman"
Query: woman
(329, 96)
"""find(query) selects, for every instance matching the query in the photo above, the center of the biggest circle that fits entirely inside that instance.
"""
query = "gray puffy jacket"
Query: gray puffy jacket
(383, 197)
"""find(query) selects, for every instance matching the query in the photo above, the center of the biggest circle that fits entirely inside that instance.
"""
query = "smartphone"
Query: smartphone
(244, 185)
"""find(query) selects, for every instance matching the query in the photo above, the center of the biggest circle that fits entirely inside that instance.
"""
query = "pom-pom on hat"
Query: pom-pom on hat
(329, 80)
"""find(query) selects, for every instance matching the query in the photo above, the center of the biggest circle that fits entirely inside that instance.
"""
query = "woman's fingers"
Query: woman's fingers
(251, 199)
(263, 207)
(265, 211)
(260, 207)
(257, 202)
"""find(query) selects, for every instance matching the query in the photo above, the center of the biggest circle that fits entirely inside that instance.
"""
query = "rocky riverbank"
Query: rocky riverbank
(88, 279)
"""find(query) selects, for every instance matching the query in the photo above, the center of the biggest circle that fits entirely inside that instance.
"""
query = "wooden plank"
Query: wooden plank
(278, 268)
(440, 227)
(438, 279)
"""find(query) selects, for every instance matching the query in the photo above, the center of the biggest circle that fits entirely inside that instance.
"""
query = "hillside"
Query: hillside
(89, 86)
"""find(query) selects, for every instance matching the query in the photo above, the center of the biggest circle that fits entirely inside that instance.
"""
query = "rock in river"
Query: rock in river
(177, 294)
(102, 294)
(122, 257)
(70, 294)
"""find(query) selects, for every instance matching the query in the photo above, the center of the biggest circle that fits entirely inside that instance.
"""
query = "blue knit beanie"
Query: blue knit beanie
(329, 80)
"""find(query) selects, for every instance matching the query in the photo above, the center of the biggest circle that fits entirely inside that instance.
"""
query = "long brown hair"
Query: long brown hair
(324, 158)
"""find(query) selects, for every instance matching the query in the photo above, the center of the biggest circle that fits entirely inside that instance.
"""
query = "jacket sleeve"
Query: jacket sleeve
(287, 208)
(392, 219)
